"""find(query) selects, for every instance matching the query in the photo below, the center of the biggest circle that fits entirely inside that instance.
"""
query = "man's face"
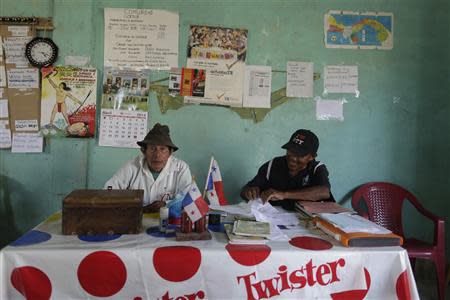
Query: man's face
(297, 163)
(157, 156)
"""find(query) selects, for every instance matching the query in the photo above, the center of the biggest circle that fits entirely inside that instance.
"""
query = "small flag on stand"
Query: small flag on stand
(214, 186)
(194, 204)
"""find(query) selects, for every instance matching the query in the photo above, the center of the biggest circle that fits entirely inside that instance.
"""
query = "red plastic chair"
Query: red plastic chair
(384, 202)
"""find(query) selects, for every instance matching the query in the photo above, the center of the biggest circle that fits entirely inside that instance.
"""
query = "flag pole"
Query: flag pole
(207, 177)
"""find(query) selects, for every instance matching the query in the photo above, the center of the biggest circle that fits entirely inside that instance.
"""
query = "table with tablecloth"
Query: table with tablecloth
(44, 264)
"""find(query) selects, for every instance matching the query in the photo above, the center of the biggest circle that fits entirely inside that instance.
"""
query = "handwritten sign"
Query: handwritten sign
(27, 143)
(341, 79)
(300, 76)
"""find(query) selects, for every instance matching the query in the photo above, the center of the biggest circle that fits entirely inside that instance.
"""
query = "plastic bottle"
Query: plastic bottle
(163, 218)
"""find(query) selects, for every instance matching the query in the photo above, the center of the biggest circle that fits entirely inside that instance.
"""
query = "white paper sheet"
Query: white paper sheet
(4, 108)
(15, 50)
(5, 138)
(330, 110)
(341, 79)
(141, 38)
(2, 76)
(19, 30)
(23, 78)
(4, 124)
(77, 61)
(242, 208)
(257, 86)
(354, 223)
(26, 125)
(300, 79)
(27, 143)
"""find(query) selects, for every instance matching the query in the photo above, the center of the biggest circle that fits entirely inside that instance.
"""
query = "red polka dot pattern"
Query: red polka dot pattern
(248, 255)
(402, 287)
(32, 283)
(177, 263)
(102, 274)
(310, 243)
(354, 294)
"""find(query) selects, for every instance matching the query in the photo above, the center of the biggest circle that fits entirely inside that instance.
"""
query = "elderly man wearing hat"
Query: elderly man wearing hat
(294, 176)
(156, 171)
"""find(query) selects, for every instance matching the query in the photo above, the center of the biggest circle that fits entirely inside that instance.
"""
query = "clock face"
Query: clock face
(41, 52)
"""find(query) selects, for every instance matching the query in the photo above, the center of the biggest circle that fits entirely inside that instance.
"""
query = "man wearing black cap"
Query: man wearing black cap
(156, 171)
(295, 176)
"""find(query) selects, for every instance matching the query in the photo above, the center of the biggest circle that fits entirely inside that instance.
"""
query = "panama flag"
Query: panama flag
(214, 186)
(193, 203)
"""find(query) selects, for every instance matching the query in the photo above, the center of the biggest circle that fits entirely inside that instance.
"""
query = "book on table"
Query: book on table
(312, 208)
(242, 240)
(251, 228)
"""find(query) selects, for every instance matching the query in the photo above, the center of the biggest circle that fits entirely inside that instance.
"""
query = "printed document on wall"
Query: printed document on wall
(27, 143)
(341, 79)
(300, 78)
(257, 86)
(141, 38)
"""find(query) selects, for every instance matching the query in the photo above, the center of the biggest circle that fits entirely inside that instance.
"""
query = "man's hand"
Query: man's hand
(252, 192)
(154, 207)
(272, 194)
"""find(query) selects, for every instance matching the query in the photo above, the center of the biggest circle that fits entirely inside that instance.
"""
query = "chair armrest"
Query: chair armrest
(439, 233)
(425, 212)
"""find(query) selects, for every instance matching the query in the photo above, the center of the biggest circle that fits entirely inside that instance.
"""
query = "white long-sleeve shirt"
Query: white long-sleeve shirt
(175, 177)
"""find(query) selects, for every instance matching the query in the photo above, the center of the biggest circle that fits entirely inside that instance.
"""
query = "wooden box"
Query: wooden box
(91, 212)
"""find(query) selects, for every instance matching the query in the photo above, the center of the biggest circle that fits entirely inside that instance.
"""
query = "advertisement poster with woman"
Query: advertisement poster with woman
(68, 101)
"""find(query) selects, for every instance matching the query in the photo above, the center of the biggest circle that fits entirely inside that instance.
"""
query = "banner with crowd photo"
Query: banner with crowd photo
(221, 52)
(68, 101)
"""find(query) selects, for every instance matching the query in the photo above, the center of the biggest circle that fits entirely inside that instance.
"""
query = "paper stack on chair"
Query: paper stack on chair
(355, 231)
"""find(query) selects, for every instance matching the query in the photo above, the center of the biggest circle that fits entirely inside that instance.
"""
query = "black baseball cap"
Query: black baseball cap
(303, 142)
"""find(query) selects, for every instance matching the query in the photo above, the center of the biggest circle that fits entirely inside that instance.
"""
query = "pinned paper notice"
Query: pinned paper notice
(18, 30)
(5, 138)
(23, 78)
(26, 125)
(27, 143)
(4, 108)
(341, 79)
(257, 86)
(2, 75)
(300, 78)
(330, 110)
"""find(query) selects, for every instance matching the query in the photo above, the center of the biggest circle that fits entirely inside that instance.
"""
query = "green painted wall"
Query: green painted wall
(397, 130)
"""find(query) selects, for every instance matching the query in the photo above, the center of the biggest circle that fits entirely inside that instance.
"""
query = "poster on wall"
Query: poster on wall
(141, 38)
(68, 101)
(124, 108)
(221, 52)
(353, 30)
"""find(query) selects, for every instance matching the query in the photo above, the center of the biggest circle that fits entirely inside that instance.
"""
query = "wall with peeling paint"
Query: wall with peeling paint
(396, 130)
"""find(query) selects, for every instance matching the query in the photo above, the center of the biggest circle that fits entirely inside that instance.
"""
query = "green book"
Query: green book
(242, 240)
(251, 228)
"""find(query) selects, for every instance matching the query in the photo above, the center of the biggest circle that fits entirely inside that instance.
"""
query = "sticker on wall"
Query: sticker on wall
(355, 30)
(329, 109)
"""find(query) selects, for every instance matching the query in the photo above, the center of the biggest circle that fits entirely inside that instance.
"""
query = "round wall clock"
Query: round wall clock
(41, 52)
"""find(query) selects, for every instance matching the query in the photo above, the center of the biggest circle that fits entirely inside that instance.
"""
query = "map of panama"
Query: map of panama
(354, 30)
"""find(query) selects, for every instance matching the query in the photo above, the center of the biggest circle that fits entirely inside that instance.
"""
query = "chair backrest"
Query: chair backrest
(384, 202)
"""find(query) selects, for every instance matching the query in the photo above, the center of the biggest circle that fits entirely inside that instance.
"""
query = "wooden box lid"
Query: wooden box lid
(104, 198)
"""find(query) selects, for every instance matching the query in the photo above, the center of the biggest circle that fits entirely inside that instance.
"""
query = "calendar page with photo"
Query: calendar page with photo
(124, 108)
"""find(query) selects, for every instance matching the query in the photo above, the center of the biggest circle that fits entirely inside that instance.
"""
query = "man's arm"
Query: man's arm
(314, 193)
(252, 189)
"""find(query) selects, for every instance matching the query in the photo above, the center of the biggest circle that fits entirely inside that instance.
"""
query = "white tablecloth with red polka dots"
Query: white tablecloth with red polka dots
(44, 264)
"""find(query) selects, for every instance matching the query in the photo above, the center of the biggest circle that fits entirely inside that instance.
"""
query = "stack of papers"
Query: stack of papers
(241, 239)
(354, 223)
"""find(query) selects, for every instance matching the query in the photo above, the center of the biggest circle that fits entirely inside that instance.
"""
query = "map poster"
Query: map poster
(68, 101)
(353, 30)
